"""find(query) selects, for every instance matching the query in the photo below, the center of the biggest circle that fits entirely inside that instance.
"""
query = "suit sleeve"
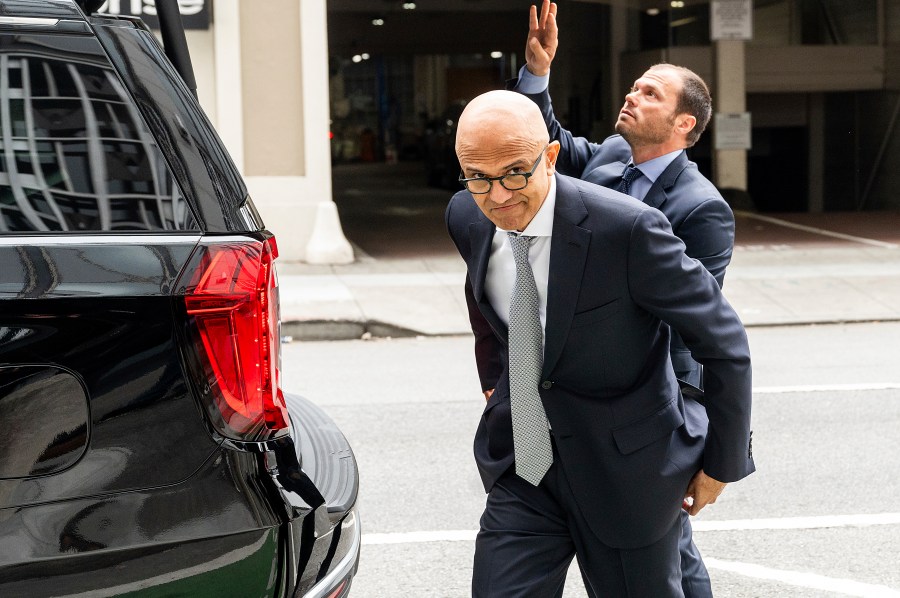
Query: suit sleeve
(675, 288)
(576, 151)
(708, 235)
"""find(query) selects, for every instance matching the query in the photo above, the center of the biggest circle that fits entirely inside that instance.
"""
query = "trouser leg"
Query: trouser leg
(523, 548)
(694, 576)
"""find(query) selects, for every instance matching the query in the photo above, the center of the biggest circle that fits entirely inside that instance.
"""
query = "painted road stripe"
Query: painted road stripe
(834, 585)
(797, 523)
(817, 231)
(457, 535)
(766, 390)
(780, 523)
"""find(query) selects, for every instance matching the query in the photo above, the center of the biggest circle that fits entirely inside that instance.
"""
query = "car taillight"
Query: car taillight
(232, 307)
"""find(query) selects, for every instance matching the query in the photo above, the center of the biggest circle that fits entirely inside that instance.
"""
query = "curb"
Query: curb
(345, 330)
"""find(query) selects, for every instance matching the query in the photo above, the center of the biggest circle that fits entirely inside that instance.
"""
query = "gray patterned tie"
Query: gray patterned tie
(531, 432)
(631, 173)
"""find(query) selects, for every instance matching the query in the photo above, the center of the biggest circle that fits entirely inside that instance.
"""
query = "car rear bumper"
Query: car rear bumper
(336, 583)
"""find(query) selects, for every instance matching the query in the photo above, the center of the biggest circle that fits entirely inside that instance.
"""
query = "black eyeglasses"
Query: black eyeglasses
(510, 182)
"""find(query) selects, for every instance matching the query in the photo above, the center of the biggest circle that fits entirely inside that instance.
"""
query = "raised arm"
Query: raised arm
(543, 39)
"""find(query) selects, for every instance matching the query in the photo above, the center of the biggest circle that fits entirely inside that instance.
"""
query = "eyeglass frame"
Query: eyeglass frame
(490, 179)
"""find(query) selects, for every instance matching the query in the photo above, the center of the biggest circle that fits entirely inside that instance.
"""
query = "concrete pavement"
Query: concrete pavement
(793, 269)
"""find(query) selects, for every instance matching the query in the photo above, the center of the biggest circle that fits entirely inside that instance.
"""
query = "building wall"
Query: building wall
(272, 102)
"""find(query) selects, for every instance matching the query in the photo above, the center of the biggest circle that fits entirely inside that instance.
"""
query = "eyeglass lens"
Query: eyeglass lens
(511, 182)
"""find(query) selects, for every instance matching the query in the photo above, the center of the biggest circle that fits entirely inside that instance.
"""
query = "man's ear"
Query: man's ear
(685, 123)
(552, 154)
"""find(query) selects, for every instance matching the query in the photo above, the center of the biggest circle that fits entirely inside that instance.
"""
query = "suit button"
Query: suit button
(546, 385)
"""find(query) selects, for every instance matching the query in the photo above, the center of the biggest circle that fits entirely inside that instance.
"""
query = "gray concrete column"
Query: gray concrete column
(729, 97)
(273, 112)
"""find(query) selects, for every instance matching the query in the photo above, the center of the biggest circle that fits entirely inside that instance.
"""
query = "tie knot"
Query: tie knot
(520, 245)
(631, 173)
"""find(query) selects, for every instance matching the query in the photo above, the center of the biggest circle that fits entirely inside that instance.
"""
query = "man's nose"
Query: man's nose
(631, 98)
(499, 194)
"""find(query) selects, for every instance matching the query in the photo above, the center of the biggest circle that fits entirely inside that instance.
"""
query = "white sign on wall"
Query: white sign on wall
(732, 131)
(731, 19)
(194, 13)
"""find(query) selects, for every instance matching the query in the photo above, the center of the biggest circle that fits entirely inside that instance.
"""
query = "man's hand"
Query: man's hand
(543, 37)
(703, 490)
(488, 393)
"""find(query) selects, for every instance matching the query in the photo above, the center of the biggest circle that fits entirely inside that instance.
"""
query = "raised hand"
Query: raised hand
(543, 38)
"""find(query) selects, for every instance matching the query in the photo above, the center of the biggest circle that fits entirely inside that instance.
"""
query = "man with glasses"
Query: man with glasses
(665, 112)
(585, 446)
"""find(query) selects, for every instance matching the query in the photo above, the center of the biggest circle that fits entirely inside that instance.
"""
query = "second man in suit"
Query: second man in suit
(664, 113)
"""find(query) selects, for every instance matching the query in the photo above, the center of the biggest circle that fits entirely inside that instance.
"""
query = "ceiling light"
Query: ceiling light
(378, 22)
(357, 58)
(496, 54)
(365, 55)
(409, 5)
(653, 12)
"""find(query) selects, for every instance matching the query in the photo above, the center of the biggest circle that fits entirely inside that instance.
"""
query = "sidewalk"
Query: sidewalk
(798, 277)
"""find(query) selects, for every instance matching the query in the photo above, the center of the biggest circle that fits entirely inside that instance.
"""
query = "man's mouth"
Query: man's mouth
(626, 112)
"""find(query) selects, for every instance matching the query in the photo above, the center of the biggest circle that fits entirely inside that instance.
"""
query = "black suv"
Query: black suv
(147, 448)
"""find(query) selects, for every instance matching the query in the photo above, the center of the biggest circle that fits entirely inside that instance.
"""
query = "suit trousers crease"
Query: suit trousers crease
(529, 536)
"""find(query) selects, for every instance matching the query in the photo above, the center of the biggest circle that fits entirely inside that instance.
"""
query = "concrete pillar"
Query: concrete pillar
(816, 127)
(729, 96)
(273, 114)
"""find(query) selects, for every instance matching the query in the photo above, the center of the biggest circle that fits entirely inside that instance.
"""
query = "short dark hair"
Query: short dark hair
(694, 100)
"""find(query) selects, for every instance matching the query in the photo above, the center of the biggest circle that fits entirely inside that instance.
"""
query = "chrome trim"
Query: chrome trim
(321, 589)
(28, 21)
(76, 240)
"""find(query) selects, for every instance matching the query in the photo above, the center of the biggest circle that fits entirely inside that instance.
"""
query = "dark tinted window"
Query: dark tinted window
(75, 154)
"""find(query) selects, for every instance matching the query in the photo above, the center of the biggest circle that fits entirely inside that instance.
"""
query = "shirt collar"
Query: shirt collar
(655, 167)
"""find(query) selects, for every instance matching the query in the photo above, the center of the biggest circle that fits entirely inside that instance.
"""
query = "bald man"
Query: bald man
(586, 447)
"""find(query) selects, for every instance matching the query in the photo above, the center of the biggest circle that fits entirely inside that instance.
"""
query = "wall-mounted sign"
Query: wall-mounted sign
(194, 13)
(732, 131)
(731, 19)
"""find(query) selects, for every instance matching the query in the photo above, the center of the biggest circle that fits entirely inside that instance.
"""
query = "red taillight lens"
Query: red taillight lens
(232, 300)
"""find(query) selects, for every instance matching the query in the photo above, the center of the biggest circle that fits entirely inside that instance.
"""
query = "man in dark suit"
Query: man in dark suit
(665, 112)
(611, 449)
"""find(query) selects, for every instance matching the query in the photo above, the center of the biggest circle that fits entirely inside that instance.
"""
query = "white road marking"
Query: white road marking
(813, 581)
(457, 535)
(780, 523)
(802, 579)
(798, 523)
(765, 390)
(817, 231)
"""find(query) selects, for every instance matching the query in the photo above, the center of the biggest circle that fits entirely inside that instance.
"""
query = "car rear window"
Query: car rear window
(75, 153)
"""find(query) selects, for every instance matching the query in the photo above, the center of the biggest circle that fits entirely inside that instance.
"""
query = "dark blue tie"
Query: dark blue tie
(631, 173)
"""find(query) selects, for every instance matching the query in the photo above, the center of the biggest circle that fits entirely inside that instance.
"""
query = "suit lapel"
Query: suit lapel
(481, 235)
(658, 191)
(568, 254)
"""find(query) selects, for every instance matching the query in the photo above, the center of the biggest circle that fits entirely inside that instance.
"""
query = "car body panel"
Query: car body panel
(113, 479)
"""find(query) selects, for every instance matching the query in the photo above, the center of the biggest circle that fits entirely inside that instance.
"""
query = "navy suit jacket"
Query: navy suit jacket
(628, 441)
(699, 216)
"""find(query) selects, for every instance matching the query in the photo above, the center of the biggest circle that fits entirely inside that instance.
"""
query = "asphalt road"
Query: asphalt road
(821, 517)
